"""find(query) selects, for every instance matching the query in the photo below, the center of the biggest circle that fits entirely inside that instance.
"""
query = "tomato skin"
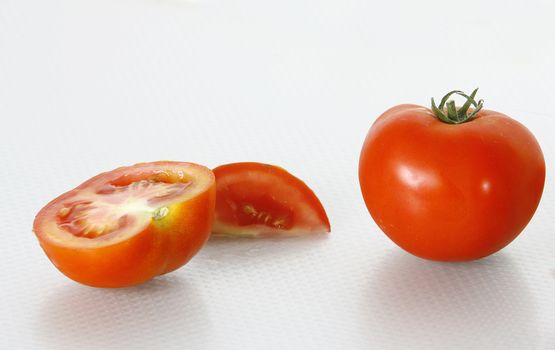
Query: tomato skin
(161, 247)
(272, 194)
(450, 192)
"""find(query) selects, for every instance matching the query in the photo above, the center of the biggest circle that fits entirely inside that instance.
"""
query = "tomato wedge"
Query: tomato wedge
(124, 227)
(260, 200)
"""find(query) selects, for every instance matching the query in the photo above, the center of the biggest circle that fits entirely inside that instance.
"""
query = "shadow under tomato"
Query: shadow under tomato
(420, 304)
(79, 317)
(244, 250)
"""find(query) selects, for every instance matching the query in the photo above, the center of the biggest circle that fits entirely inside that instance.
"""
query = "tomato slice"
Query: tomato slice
(259, 200)
(128, 225)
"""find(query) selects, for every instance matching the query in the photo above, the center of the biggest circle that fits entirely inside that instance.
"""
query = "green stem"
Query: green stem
(448, 113)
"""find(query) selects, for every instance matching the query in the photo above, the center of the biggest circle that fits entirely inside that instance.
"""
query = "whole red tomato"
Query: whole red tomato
(450, 183)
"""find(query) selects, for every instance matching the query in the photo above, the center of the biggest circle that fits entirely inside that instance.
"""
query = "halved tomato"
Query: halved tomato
(124, 227)
(256, 200)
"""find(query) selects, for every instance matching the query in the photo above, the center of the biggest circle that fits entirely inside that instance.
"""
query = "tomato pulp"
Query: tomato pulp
(123, 227)
(257, 200)
(450, 191)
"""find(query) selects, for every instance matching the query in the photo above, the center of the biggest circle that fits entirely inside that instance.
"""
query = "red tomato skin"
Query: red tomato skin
(450, 192)
(152, 252)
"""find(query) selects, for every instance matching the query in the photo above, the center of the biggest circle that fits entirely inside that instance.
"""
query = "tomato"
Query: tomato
(260, 200)
(450, 184)
(124, 227)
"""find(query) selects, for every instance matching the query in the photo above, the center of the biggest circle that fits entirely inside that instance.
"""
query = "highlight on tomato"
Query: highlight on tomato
(450, 183)
(126, 226)
(262, 200)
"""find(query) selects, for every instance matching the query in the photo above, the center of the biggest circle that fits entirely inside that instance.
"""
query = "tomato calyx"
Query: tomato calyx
(448, 113)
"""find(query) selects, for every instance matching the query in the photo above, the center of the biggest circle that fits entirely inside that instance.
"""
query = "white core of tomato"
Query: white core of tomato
(109, 208)
(102, 209)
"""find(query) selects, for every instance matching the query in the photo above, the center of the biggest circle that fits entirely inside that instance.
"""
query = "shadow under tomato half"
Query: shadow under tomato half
(421, 304)
(80, 317)
(226, 250)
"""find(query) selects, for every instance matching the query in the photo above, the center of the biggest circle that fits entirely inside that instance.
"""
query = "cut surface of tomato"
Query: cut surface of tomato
(128, 225)
(258, 200)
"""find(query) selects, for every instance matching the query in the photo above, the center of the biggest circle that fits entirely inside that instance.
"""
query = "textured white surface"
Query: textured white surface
(86, 86)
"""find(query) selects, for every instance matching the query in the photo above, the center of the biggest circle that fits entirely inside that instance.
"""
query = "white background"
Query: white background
(86, 86)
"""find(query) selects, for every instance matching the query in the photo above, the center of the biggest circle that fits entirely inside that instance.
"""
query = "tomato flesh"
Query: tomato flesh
(255, 200)
(126, 226)
(111, 208)
(247, 210)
